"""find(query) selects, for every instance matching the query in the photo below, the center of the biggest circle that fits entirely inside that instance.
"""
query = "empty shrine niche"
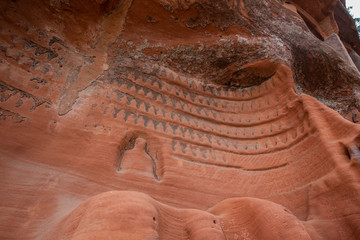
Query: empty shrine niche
(139, 158)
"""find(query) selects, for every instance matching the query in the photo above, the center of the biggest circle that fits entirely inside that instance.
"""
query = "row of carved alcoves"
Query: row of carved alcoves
(220, 126)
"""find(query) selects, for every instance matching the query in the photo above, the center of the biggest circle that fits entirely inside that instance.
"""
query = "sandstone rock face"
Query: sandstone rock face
(130, 215)
(164, 119)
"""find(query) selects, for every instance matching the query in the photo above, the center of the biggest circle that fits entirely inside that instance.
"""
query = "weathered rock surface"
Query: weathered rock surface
(133, 215)
(214, 110)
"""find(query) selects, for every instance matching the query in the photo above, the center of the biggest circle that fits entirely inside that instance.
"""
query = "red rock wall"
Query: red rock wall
(199, 105)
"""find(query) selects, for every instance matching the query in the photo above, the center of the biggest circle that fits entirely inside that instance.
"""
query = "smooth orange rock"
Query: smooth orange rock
(131, 215)
(176, 120)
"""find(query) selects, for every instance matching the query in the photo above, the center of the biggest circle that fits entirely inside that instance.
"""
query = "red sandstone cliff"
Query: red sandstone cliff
(197, 119)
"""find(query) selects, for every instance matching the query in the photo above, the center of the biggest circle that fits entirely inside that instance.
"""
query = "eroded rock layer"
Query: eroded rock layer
(202, 106)
(137, 216)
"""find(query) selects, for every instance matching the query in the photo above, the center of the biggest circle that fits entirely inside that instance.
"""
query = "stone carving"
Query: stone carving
(137, 154)
(164, 119)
